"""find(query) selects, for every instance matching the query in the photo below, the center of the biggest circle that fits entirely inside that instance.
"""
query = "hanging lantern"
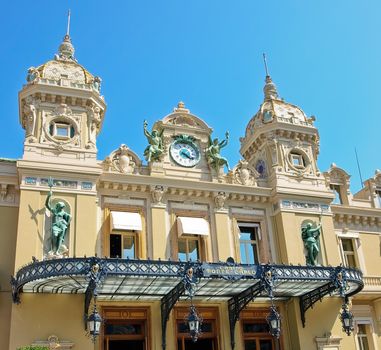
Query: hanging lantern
(94, 322)
(273, 320)
(346, 318)
(194, 323)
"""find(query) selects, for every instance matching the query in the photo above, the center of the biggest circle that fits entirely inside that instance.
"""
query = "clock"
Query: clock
(185, 152)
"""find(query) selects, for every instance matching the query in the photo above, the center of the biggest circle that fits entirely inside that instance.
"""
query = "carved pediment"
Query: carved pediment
(122, 160)
(244, 174)
(183, 117)
(337, 176)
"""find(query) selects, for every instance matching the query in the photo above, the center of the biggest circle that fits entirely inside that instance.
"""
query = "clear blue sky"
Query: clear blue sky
(323, 55)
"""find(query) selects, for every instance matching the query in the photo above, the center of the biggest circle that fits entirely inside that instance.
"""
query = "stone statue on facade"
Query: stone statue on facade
(157, 193)
(310, 236)
(59, 225)
(213, 153)
(97, 84)
(29, 118)
(33, 75)
(219, 200)
(154, 151)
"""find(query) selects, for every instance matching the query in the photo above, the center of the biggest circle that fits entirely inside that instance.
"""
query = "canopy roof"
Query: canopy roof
(169, 281)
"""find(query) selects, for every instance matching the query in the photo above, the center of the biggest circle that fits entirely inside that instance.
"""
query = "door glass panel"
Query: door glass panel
(201, 344)
(126, 344)
(123, 329)
(250, 345)
(255, 328)
(265, 344)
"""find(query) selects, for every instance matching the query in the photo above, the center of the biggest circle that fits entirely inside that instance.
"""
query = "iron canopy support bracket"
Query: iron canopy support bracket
(238, 302)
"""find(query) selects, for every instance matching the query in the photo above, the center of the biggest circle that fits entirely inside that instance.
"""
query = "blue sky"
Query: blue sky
(323, 55)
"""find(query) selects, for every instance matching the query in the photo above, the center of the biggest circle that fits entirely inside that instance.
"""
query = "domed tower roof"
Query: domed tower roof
(65, 65)
(275, 109)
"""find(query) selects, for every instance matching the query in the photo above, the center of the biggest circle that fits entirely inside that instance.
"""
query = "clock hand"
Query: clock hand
(183, 152)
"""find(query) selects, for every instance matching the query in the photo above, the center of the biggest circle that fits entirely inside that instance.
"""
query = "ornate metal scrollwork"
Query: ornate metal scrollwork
(95, 276)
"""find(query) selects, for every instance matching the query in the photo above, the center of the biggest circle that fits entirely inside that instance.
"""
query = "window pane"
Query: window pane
(182, 250)
(250, 253)
(245, 236)
(350, 260)
(62, 130)
(129, 247)
(347, 245)
(243, 253)
(115, 246)
(193, 250)
(336, 191)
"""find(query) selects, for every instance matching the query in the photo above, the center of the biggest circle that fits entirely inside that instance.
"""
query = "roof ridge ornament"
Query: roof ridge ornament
(66, 49)
(269, 89)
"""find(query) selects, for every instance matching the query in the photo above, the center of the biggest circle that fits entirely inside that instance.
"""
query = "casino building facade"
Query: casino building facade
(180, 246)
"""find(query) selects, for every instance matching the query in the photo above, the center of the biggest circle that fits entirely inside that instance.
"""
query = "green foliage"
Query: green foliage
(33, 348)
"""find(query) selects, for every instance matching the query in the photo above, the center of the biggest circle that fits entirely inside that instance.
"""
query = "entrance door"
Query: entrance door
(208, 339)
(256, 335)
(259, 344)
(125, 333)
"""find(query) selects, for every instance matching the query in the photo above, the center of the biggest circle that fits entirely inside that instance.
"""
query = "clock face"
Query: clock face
(186, 154)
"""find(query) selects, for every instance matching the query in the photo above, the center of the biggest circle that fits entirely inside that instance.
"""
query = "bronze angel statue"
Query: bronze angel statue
(155, 149)
(213, 153)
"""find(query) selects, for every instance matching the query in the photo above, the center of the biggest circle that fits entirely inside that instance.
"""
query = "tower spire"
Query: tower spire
(269, 89)
(265, 62)
(66, 49)
(68, 23)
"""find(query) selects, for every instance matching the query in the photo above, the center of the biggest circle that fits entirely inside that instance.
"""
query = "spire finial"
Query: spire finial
(66, 49)
(269, 89)
(68, 23)
(265, 62)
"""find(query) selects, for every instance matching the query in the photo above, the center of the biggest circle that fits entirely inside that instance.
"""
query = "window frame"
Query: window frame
(62, 125)
(187, 239)
(125, 234)
(346, 253)
(204, 241)
(141, 236)
(337, 189)
(247, 243)
(299, 158)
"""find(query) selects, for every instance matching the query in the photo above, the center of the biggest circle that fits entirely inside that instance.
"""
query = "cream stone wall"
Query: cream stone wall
(371, 248)
(41, 315)
(8, 231)
(32, 226)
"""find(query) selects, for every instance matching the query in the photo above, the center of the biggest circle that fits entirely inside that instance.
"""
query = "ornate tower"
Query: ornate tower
(282, 144)
(61, 110)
